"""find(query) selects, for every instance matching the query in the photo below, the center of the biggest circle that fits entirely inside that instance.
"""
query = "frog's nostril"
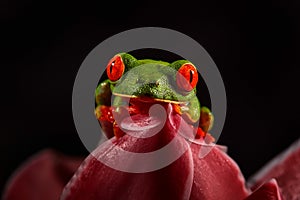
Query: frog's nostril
(151, 84)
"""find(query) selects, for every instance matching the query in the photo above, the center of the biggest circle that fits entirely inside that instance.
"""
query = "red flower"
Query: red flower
(194, 175)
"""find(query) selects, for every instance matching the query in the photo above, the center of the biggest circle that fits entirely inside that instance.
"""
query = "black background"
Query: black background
(255, 45)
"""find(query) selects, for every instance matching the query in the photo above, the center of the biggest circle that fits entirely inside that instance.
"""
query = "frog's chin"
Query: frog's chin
(149, 99)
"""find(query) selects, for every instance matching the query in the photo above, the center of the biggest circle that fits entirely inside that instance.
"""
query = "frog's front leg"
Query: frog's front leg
(103, 93)
(103, 109)
(205, 123)
(192, 112)
(206, 119)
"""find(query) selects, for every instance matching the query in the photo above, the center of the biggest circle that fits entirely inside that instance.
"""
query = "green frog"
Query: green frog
(149, 81)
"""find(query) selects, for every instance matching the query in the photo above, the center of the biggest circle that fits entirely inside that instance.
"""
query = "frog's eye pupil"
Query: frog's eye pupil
(191, 76)
(115, 68)
(111, 66)
(187, 77)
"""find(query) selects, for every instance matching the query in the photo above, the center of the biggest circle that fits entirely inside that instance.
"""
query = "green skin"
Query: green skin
(155, 79)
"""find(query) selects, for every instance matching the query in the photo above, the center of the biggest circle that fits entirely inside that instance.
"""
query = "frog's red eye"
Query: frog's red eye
(187, 77)
(115, 68)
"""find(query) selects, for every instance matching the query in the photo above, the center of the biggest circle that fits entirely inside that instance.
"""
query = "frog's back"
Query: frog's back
(150, 61)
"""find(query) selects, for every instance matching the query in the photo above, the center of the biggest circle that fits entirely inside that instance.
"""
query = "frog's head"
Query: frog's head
(137, 85)
(169, 82)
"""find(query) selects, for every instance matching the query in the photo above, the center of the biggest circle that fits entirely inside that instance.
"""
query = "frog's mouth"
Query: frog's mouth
(138, 104)
(149, 99)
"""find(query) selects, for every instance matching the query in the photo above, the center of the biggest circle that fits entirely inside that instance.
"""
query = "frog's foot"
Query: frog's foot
(104, 116)
(206, 137)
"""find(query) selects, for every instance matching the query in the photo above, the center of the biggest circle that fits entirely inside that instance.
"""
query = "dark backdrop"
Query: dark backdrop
(255, 46)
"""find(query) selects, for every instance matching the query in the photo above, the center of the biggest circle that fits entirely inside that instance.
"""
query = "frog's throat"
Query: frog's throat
(155, 99)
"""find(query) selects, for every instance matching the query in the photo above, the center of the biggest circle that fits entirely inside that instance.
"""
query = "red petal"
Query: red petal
(215, 176)
(268, 191)
(285, 169)
(94, 180)
(41, 177)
